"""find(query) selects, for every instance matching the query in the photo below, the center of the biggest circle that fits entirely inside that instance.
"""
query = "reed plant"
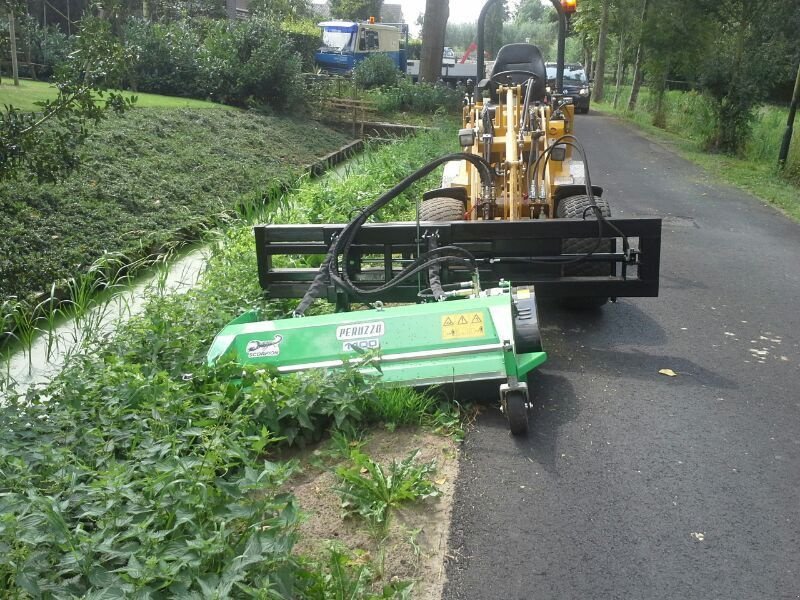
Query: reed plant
(50, 311)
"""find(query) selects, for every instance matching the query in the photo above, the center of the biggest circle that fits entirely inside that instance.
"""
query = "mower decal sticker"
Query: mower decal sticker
(361, 345)
(261, 348)
(463, 325)
(357, 331)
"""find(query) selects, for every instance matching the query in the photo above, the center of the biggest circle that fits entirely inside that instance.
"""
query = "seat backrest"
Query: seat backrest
(525, 57)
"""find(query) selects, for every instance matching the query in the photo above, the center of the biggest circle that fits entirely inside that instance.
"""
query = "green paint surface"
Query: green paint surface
(459, 340)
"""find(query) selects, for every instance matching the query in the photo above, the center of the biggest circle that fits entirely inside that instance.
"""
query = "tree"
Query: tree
(356, 10)
(638, 73)
(11, 9)
(45, 143)
(493, 28)
(529, 11)
(744, 50)
(600, 71)
(433, 29)
(292, 10)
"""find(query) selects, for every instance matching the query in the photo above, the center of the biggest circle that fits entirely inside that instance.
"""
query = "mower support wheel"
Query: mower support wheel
(442, 209)
(516, 408)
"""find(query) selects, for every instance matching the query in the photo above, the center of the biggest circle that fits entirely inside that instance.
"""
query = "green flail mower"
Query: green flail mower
(493, 335)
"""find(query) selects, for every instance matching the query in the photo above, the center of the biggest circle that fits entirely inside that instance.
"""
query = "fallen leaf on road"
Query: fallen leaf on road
(441, 481)
(668, 372)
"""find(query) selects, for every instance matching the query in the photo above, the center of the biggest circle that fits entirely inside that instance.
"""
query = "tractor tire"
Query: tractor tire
(574, 207)
(441, 209)
(516, 408)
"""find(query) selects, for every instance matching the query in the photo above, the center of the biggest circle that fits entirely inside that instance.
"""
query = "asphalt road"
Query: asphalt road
(636, 485)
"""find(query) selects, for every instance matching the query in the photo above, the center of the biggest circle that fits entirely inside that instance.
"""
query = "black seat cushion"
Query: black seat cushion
(524, 57)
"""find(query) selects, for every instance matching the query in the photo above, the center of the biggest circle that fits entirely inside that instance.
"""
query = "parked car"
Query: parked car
(576, 84)
(448, 57)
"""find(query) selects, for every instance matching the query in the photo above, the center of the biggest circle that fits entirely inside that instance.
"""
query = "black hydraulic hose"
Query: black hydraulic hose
(329, 269)
(433, 274)
(572, 141)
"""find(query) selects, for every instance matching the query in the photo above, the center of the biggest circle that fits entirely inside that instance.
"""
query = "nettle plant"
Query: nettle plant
(129, 483)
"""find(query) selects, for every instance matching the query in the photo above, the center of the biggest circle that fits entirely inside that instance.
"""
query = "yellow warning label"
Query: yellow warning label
(523, 293)
(462, 325)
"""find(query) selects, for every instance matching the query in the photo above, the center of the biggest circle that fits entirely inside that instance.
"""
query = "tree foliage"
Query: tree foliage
(529, 11)
(45, 143)
(356, 10)
(736, 52)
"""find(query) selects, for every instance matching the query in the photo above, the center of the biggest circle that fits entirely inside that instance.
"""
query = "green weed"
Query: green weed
(373, 492)
(51, 311)
(345, 579)
(401, 406)
(25, 326)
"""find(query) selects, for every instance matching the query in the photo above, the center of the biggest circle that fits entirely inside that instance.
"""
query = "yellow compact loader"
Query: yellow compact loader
(517, 204)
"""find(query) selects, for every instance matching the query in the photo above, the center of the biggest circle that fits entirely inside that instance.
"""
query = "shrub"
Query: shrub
(236, 62)
(166, 57)
(414, 50)
(376, 70)
(423, 98)
(47, 48)
(303, 36)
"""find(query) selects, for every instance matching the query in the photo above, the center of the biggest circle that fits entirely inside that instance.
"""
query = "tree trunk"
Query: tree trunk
(600, 72)
(660, 85)
(12, 34)
(620, 69)
(638, 76)
(587, 53)
(433, 29)
(29, 58)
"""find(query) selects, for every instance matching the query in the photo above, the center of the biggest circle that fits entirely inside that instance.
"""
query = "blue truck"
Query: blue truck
(347, 43)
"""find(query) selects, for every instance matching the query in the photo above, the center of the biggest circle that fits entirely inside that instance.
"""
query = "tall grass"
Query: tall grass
(690, 115)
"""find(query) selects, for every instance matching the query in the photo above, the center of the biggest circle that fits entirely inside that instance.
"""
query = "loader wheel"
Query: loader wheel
(574, 207)
(517, 413)
(441, 209)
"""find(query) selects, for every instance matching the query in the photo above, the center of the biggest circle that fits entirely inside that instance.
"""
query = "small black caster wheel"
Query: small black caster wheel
(516, 405)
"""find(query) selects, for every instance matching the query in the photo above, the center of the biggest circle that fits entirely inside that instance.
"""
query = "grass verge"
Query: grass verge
(142, 472)
(28, 93)
(154, 176)
(687, 121)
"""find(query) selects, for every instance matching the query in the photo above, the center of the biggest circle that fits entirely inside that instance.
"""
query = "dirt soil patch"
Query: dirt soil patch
(416, 547)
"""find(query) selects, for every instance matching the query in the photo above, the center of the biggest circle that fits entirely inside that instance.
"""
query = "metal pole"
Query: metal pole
(787, 136)
(481, 27)
(12, 34)
(562, 44)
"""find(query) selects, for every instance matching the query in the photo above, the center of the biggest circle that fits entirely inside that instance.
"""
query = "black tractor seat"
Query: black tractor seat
(519, 57)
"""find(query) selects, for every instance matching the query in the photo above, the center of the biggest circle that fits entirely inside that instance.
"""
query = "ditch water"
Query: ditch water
(50, 350)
